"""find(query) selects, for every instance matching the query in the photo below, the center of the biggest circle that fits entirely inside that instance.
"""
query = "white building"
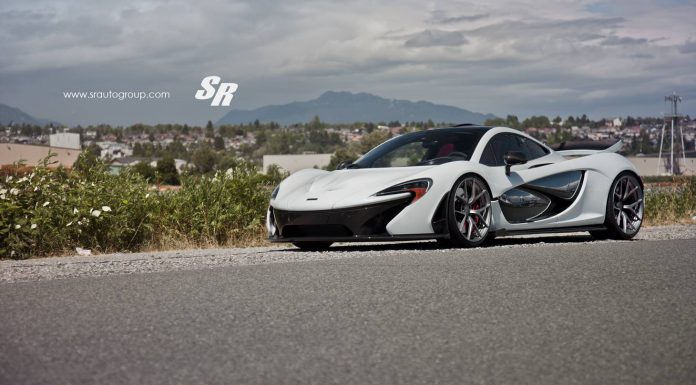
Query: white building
(65, 140)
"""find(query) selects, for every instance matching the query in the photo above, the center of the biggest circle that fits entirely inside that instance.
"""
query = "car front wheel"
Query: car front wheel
(469, 212)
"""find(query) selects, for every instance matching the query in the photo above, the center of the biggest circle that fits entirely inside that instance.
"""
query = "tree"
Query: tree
(204, 159)
(94, 149)
(138, 149)
(145, 170)
(209, 130)
(219, 143)
(166, 171)
(315, 123)
(513, 121)
(495, 122)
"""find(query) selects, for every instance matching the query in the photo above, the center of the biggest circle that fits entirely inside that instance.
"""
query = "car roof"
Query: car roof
(463, 128)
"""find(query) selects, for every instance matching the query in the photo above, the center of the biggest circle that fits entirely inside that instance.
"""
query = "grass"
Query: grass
(671, 205)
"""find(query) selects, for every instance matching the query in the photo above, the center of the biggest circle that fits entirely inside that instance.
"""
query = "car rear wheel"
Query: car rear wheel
(625, 208)
(469, 212)
(313, 246)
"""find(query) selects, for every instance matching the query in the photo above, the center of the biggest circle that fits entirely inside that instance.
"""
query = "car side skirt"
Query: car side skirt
(363, 238)
(551, 230)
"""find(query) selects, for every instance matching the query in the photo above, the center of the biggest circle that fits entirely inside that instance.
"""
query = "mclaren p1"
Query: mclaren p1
(462, 186)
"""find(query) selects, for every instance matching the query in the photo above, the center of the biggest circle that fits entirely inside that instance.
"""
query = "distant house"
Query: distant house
(31, 154)
(118, 164)
(294, 163)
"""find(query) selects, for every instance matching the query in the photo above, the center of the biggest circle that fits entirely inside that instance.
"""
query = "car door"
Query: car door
(528, 194)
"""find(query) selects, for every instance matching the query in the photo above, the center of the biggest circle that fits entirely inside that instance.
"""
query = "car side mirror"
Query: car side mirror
(512, 158)
(344, 164)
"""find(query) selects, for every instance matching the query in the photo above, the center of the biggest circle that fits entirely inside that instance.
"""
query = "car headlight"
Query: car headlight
(417, 188)
(274, 194)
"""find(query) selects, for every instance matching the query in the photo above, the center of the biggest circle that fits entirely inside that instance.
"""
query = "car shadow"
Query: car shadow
(432, 245)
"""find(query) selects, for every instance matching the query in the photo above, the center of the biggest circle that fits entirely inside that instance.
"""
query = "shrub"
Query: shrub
(218, 209)
(46, 211)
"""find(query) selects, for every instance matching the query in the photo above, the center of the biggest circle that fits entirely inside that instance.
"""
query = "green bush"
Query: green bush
(46, 211)
(218, 209)
(51, 211)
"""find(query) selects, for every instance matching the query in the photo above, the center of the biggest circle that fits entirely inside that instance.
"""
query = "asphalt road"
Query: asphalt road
(589, 313)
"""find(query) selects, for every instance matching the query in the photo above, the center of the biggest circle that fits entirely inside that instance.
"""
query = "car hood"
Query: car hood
(341, 188)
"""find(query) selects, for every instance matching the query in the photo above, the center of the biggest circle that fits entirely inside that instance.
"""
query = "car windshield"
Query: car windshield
(424, 148)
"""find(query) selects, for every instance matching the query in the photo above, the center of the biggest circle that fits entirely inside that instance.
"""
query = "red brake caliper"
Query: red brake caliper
(475, 206)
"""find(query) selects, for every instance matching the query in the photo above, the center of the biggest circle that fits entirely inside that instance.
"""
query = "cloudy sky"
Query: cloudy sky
(505, 57)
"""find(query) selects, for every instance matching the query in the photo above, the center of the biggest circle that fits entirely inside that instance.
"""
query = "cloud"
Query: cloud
(440, 18)
(688, 47)
(501, 56)
(435, 37)
(616, 40)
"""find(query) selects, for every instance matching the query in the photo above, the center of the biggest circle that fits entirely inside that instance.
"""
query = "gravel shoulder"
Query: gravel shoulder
(131, 263)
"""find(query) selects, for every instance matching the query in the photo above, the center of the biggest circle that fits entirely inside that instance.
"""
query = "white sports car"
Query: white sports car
(461, 185)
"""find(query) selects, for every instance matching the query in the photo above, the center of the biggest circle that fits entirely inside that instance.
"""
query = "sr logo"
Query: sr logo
(222, 96)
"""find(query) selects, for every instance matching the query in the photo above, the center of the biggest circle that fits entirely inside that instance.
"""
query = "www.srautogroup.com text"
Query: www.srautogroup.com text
(116, 95)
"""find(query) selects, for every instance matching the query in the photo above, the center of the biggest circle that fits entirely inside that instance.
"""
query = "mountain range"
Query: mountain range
(11, 114)
(347, 107)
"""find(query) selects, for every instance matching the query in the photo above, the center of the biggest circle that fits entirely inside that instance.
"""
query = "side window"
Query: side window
(531, 149)
(488, 157)
(494, 153)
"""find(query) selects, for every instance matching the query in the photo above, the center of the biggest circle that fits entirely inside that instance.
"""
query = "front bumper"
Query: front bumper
(363, 223)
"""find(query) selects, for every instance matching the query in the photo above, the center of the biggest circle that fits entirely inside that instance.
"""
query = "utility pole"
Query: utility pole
(674, 99)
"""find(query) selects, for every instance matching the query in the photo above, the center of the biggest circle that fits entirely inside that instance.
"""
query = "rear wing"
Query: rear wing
(586, 148)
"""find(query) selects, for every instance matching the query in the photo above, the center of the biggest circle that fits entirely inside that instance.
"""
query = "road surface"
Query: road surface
(557, 313)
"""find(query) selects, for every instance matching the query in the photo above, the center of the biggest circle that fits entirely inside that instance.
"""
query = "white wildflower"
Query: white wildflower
(23, 179)
(14, 191)
(106, 209)
(79, 223)
(69, 224)
(75, 210)
(46, 203)
(8, 179)
(3, 191)
(2, 196)
(33, 226)
(96, 213)
(18, 226)
(147, 195)
(36, 188)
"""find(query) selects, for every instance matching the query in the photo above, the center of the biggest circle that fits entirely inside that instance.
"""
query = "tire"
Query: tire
(313, 246)
(625, 208)
(469, 212)
(444, 243)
